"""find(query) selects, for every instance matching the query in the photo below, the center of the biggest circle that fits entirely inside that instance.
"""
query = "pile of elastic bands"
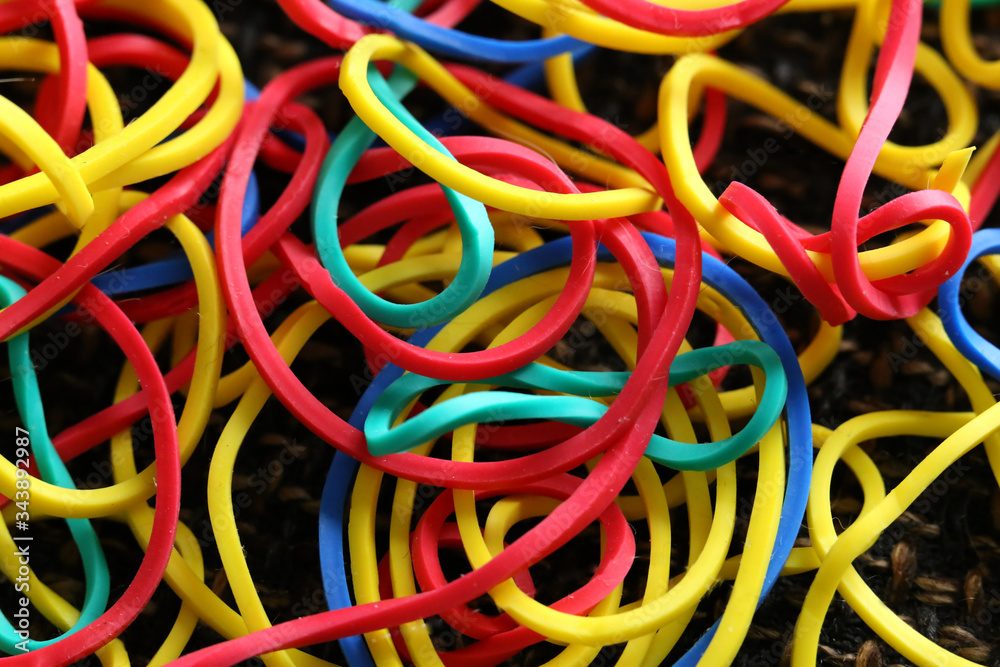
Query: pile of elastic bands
(541, 217)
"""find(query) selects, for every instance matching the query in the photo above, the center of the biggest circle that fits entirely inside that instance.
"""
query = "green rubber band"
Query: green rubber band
(502, 406)
(52, 470)
(473, 222)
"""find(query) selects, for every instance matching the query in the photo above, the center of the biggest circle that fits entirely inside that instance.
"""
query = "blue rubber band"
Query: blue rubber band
(175, 268)
(23, 219)
(448, 41)
(951, 298)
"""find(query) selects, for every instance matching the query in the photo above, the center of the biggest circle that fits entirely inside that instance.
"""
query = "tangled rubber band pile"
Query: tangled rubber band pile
(538, 217)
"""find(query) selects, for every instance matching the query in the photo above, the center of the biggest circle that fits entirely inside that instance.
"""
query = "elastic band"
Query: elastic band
(952, 297)
(687, 23)
(477, 232)
(500, 406)
(446, 41)
(53, 470)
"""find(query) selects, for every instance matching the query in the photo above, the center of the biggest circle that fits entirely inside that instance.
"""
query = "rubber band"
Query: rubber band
(504, 406)
(575, 18)
(893, 260)
(477, 233)
(465, 653)
(375, 115)
(186, 579)
(561, 78)
(19, 127)
(688, 23)
(52, 469)
(618, 552)
(438, 38)
(862, 599)
(66, 118)
(956, 38)
(952, 296)
(892, 78)
(853, 96)
(175, 269)
(114, 620)
(549, 628)
(968, 433)
(580, 22)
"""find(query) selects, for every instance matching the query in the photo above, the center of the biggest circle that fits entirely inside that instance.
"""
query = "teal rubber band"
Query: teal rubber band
(501, 406)
(473, 222)
(52, 470)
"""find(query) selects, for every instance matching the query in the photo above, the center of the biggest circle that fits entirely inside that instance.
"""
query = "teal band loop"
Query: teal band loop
(474, 223)
(501, 406)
